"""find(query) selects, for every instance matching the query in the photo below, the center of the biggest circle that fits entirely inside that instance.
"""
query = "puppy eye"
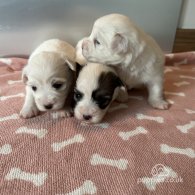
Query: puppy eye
(103, 102)
(77, 95)
(57, 85)
(34, 88)
(96, 42)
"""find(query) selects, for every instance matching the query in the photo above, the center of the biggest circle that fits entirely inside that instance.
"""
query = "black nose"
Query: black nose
(49, 106)
(87, 117)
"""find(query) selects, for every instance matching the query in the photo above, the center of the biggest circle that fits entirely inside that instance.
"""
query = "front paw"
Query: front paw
(63, 113)
(159, 104)
(28, 112)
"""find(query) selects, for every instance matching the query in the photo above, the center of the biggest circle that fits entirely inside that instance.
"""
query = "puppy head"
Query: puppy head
(79, 55)
(108, 42)
(96, 87)
(49, 77)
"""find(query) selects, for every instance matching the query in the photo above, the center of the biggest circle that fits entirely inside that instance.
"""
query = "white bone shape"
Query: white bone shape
(96, 159)
(186, 127)
(186, 77)
(37, 179)
(13, 116)
(136, 97)
(182, 83)
(88, 187)
(39, 133)
(118, 107)
(190, 111)
(151, 182)
(170, 101)
(11, 82)
(174, 93)
(5, 149)
(6, 61)
(57, 146)
(185, 151)
(11, 96)
(137, 131)
(168, 70)
(185, 61)
(146, 117)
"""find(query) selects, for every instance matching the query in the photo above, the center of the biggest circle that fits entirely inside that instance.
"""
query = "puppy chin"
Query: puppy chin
(95, 118)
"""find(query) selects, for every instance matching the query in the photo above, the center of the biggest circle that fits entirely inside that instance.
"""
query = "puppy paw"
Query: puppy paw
(28, 112)
(63, 113)
(67, 113)
(159, 104)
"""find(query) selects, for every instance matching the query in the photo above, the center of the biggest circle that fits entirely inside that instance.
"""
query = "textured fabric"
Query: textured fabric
(135, 150)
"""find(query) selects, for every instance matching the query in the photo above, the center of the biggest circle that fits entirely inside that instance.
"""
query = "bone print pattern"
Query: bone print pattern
(50, 154)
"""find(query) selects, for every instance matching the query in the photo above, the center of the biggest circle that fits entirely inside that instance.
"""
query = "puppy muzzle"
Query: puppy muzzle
(85, 47)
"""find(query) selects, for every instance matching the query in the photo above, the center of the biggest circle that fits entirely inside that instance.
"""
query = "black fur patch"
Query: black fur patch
(78, 69)
(107, 83)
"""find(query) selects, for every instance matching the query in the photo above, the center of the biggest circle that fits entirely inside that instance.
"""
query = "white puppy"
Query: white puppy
(48, 77)
(97, 86)
(137, 58)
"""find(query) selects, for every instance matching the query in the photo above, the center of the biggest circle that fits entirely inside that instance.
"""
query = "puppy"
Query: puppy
(97, 86)
(48, 77)
(136, 57)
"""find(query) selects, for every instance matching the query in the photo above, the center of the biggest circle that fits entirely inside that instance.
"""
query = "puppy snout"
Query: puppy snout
(85, 44)
(87, 117)
(48, 106)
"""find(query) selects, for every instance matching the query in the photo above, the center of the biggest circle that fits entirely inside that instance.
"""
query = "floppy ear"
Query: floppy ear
(24, 76)
(120, 43)
(71, 64)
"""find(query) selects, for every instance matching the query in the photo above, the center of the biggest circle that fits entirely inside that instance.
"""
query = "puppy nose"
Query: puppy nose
(87, 117)
(48, 106)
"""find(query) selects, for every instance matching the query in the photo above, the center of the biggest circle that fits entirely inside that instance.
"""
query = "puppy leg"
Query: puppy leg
(29, 108)
(155, 89)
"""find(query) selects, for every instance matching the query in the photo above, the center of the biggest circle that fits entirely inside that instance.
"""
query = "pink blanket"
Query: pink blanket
(135, 150)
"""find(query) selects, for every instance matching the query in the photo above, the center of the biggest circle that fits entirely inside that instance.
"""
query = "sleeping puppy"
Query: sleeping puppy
(97, 86)
(136, 57)
(48, 77)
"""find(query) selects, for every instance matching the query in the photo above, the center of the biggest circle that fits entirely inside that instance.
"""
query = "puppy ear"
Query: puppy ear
(71, 64)
(24, 76)
(120, 43)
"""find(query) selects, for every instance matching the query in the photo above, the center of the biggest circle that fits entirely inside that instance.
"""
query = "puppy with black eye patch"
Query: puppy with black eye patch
(49, 78)
(97, 86)
(118, 42)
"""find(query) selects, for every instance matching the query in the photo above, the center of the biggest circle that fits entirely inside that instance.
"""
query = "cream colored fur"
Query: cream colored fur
(136, 57)
(52, 62)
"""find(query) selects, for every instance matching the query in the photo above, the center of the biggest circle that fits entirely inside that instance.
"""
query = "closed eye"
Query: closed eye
(57, 85)
(96, 42)
(103, 101)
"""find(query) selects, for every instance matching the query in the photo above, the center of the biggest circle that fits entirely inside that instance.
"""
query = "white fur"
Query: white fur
(86, 83)
(137, 58)
(53, 61)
